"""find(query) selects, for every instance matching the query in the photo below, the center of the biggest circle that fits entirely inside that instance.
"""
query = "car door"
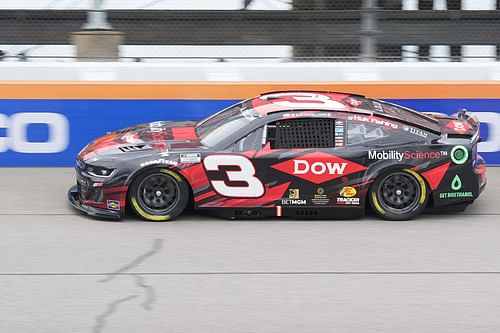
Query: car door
(293, 159)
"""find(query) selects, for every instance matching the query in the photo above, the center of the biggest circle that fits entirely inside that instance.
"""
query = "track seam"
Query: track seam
(257, 273)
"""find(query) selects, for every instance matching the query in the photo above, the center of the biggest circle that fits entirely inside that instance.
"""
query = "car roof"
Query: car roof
(300, 100)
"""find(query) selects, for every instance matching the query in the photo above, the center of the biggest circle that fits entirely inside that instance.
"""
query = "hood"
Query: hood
(158, 135)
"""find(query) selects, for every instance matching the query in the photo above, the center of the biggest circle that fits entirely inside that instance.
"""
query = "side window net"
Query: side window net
(302, 133)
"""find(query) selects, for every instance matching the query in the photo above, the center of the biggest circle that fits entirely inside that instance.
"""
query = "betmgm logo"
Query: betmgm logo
(17, 128)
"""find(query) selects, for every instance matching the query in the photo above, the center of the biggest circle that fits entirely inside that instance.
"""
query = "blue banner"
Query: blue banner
(52, 132)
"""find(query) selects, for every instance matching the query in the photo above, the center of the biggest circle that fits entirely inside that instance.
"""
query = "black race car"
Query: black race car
(295, 153)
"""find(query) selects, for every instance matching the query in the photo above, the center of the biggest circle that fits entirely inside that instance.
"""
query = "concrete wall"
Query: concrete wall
(232, 71)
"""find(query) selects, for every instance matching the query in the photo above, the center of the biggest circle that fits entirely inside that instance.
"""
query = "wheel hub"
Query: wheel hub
(158, 193)
(399, 192)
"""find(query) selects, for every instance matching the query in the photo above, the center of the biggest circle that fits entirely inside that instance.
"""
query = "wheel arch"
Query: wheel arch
(133, 176)
(426, 194)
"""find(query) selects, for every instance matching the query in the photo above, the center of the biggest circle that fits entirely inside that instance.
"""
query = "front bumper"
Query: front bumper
(74, 200)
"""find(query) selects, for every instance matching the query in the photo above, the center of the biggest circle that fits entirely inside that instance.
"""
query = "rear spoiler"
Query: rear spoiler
(473, 120)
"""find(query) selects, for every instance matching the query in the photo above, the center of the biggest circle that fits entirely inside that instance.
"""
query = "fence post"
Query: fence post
(97, 18)
(368, 32)
(98, 41)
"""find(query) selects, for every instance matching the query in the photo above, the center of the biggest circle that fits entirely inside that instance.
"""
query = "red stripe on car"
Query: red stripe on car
(184, 133)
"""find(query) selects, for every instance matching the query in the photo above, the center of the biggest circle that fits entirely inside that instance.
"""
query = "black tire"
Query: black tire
(399, 195)
(158, 195)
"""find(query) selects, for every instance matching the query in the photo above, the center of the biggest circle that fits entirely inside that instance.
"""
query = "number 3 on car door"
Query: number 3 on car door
(241, 183)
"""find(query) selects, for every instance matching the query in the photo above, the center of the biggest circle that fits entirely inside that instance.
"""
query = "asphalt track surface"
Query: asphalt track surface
(64, 272)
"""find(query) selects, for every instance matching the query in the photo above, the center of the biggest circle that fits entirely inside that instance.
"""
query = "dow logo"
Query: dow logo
(17, 127)
(318, 167)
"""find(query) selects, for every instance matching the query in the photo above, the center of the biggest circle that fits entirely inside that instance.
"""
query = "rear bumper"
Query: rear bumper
(479, 167)
(74, 200)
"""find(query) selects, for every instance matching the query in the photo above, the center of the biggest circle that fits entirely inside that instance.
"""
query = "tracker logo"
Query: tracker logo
(318, 167)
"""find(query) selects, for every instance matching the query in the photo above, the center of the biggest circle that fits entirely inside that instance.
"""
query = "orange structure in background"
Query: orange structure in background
(239, 90)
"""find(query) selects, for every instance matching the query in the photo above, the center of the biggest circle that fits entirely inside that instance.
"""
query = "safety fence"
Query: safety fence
(367, 32)
(48, 123)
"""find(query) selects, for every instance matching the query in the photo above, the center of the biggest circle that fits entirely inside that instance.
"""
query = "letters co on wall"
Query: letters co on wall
(48, 126)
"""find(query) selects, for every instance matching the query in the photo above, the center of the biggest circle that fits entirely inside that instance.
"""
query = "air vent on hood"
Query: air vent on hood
(132, 148)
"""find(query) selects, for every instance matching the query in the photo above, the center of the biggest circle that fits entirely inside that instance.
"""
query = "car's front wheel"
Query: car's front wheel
(399, 195)
(158, 195)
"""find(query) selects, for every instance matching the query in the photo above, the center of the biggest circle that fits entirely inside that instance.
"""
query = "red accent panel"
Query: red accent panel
(248, 153)
(118, 189)
(106, 142)
(184, 133)
(266, 150)
(196, 176)
(217, 202)
(458, 126)
(204, 196)
(318, 167)
(435, 175)
(365, 183)
(272, 193)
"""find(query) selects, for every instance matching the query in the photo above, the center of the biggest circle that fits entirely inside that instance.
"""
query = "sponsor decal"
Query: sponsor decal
(17, 127)
(190, 158)
(348, 201)
(459, 155)
(320, 197)
(348, 192)
(339, 133)
(415, 131)
(293, 198)
(156, 127)
(405, 155)
(294, 193)
(158, 161)
(316, 114)
(293, 202)
(458, 126)
(318, 167)
(373, 120)
(377, 106)
(456, 185)
(113, 204)
(454, 195)
(354, 102)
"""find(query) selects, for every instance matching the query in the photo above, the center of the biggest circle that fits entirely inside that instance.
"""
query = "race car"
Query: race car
(299, 154)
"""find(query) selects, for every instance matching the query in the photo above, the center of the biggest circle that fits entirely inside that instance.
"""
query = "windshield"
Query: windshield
(215, 128)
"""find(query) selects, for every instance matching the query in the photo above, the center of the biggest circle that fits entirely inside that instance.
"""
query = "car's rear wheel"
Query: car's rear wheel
(158, 195)
(399, 195)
